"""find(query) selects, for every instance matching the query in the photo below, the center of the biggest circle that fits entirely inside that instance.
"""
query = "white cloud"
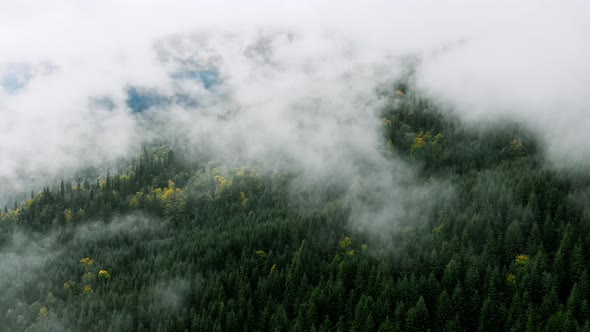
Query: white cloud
(297, 75)
(529, 65)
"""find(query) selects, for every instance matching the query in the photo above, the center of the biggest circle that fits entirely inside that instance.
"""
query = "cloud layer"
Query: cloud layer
(249, 80)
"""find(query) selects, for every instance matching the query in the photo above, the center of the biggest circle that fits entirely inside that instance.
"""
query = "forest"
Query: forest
(176, 240)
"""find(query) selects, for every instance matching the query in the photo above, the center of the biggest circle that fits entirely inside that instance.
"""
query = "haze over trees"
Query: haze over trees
(294, 166)
(171, 242)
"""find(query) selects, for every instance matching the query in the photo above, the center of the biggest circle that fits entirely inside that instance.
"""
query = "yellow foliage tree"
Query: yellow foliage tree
(87, 289)
(87, 261)
(104, 274)
(421, 140)
(241, 171)
(68, 214)
(511, 278)
(168, 194)
(521, 260)
(516, 147)
(173, 200)
(43, 312)
(223, 182)
(134, 202)
(346, 243)
(244, 199)
(418, 143)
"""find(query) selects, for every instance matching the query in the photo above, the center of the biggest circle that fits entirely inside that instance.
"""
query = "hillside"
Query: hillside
(174, 242)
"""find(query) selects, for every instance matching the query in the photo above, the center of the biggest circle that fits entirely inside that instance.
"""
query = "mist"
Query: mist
(29, 261)
(293, 85)
(328, 218)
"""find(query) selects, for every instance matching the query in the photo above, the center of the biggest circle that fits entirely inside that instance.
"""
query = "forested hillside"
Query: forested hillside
(174, 242)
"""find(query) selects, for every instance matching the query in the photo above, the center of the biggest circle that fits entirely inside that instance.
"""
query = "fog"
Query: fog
(29, 264)
(82, 84)
(286, 86)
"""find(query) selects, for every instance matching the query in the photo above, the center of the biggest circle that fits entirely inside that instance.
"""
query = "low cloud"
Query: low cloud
(292, 84)
(170, 295)
(32, 264)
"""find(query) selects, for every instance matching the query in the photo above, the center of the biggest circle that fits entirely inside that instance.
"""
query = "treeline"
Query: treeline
(170, 244)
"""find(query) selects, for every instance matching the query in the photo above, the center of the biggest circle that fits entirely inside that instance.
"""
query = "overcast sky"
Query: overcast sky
(295, 75)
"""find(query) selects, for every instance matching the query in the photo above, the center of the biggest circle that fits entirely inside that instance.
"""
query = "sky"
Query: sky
(255, 79)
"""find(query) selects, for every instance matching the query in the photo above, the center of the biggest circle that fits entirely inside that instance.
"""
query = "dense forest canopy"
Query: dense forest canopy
(489, 239)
